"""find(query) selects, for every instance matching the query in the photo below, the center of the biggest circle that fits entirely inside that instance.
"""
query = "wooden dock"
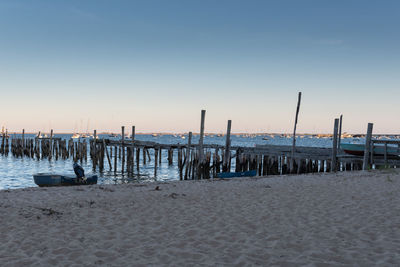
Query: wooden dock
(200, 161)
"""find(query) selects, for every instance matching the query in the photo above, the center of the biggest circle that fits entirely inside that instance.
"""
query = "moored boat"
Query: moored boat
(379, 150)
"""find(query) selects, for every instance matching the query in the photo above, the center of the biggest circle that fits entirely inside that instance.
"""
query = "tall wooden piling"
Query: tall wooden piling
(107, 154)
(340, 132)
(23, 139)
(227, 148)
(51, 144)
(94, 154)
(334, 145)
(115, 158)
(155, 161)
(201, 151)
(367, 151)
(295, 126)
(137, 158)
(188, 161)
(133, 149)
(123, 148)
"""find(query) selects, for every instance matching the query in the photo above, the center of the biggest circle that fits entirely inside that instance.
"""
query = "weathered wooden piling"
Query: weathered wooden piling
(334, 145)
(367, 150)
(295, 125)
(227, 148)
(200, 162)
(123, 148)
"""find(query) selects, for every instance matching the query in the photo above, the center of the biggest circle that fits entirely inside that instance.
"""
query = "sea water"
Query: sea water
(17, 172)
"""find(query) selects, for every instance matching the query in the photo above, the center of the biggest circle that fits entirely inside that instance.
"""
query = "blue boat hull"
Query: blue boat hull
(236, 174)
(42, 179)
(358, 150)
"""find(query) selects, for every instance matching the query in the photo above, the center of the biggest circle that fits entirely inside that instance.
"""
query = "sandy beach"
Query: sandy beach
(343, 219)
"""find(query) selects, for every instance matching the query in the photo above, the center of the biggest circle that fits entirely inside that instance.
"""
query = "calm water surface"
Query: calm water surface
(17, 172)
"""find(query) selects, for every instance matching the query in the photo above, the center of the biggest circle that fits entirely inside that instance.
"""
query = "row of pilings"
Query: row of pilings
(126, 157)
(45, 148)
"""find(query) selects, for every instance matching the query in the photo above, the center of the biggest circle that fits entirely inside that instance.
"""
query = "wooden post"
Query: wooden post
(335, 146)
(23, 140)
(51, 144)
(107, 154)
(295, 126)
(94, 149)
(340, 132)
(155, 161)
(188, 155)
(227, 147)
(138, 158)
(123, 148)
(115, 158)
(367, 146)
(201, 152)
(133, 149)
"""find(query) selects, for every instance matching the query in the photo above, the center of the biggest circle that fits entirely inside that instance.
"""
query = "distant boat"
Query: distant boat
(113, 135)
(358, 150)
(75, 136)
(85, 135)
(43, 179)
(236, 174)
(42, 136)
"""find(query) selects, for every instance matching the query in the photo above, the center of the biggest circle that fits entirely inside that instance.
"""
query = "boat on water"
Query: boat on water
(46, 179)
(75, 136)
(379, 150)
(236, 174)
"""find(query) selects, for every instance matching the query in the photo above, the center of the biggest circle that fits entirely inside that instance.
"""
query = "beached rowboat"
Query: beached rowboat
(45, 179)
(236, 174)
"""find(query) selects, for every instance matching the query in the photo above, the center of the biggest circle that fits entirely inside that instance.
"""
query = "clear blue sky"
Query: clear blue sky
(156, 64)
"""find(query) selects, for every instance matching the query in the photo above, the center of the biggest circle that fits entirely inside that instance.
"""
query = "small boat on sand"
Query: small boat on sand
(45, 179)
(379, 150)
(236, 174)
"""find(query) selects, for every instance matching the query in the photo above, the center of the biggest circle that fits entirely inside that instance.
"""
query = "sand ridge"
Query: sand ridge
(343, 219)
